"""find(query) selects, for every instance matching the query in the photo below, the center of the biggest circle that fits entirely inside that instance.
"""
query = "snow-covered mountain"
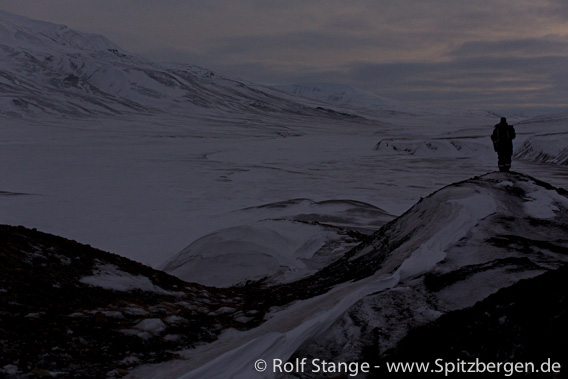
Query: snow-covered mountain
(353, 99)
(49, 68)
(344, 95)
(52, 69)
(470, 247)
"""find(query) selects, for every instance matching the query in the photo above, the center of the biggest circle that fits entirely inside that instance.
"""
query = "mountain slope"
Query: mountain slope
(52, 69)
(551, 149)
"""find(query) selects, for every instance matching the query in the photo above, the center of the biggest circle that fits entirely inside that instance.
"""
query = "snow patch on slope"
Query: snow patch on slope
(280, 251)
(545, 149)
(110, 277)
(544, 203)
(312, 317)
(464, 213)
(230, 256)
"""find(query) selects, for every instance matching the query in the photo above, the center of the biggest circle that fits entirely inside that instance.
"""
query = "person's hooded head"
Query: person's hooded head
(503, 121)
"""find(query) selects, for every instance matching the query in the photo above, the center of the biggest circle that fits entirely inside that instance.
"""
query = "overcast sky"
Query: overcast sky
(489, 54)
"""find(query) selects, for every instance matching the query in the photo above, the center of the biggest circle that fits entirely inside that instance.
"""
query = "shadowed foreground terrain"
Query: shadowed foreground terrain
(475, 270)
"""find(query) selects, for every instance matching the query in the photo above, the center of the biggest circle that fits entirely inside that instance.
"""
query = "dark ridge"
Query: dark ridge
(527, 322)
(52, 322)
(436, 282)
(338, 114)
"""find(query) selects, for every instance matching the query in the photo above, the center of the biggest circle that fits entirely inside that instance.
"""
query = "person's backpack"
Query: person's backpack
(502, 140)
(495, 139)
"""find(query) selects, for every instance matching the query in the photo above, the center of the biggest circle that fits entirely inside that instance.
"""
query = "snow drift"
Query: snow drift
(283, 242)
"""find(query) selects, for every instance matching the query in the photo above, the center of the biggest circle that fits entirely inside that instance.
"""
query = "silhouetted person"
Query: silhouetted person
(502, 137)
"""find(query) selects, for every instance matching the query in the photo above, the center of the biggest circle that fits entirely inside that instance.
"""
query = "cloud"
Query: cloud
(550, 45)
(478, 82)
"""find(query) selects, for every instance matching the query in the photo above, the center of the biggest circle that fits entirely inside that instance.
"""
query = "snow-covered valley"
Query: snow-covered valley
(146, 188)
(318, 216)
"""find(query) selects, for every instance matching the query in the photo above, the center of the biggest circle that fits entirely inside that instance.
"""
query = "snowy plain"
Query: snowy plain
(146, 188)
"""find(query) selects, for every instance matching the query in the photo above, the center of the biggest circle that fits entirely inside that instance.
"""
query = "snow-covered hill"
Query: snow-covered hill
(454, 248)
(25, 33)
(353, 99)
(284, 241)
(451, 250)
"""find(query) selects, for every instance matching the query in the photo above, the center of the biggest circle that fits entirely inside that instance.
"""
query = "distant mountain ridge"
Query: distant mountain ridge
(340, 95)
(349, 98)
